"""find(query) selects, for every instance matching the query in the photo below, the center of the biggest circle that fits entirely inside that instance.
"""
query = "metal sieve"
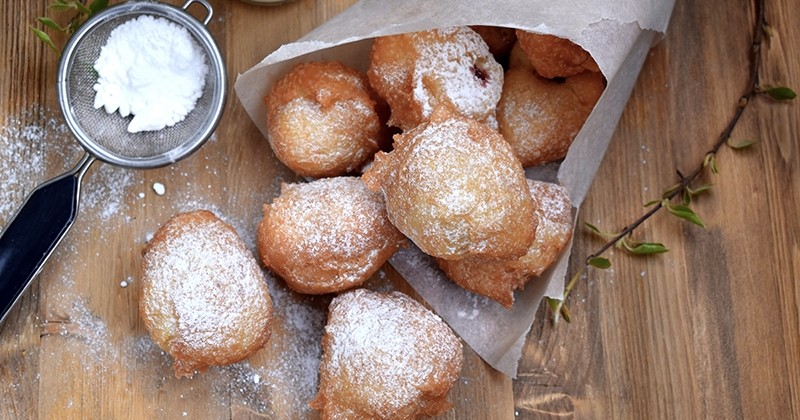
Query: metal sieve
(41, 223)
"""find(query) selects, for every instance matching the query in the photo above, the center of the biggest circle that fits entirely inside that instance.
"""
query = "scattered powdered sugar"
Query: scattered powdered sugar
(150, 68)
(36, 146)
(69, 315)
(285, 384)
(105, 192)
(25, 142)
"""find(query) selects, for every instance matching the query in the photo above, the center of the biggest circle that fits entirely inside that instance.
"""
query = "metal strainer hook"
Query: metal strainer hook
(32, 235)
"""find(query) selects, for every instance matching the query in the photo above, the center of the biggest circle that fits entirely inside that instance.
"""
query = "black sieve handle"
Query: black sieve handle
(34, 232)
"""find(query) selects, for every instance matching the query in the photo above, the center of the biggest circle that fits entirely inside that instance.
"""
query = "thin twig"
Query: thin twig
(686, 180)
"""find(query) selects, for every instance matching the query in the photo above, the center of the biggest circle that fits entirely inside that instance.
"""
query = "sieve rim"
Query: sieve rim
(215, 64)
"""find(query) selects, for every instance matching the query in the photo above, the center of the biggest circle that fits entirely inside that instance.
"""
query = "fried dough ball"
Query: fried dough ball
(540, 118)
(385, 356)
(500, 40)
(497, 279)
(419, 71)
(553, 57)
(455, 188)
(327, 235)
(322, 119)
(204, 299)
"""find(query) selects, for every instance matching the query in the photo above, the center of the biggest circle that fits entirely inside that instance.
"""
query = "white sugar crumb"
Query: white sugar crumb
(159, 188)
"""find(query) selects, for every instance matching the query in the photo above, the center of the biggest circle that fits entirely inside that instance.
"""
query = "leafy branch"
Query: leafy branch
(677, 198)
(81, 10)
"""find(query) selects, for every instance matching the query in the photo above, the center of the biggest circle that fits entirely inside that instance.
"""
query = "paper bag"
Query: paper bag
(618, 35)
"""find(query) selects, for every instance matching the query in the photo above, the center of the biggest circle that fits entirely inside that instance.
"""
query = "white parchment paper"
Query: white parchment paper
(617, 33)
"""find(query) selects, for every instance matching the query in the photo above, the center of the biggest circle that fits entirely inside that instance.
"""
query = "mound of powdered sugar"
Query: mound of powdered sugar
(152, 69)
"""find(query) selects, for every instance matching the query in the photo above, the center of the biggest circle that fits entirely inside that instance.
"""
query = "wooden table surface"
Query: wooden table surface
(710, 329)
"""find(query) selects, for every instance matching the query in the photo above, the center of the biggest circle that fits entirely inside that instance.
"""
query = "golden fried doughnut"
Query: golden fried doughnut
(416, 72)
(322, 119)
(204, 299)
(540, 118)
(455, 188)
(497, 279)
(327, 235)
(500, 40)
(385, 356)
(553, 57)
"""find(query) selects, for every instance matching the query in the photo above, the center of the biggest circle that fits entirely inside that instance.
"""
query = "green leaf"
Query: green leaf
(768, 31)
(44, 37)
(740, 145)
(50, 23)
(648, 248)
(701, 189)
(98, 5)
(598, 232)
(710, 161)
(599, 262)
(81, 8)
(653, 202)
(671, 190)
(686, 213)
(593, 228)
(559, 309)
(60, 6)
(780, 93)
(564, 311)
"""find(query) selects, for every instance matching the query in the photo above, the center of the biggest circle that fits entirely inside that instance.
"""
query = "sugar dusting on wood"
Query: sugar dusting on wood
(281, 378)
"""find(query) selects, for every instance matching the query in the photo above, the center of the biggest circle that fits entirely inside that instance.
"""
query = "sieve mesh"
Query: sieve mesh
(105, 135)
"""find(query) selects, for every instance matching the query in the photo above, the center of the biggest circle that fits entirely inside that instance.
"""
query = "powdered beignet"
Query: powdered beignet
(385, 356)
(204, 299)
(327, 235)
(454, 187)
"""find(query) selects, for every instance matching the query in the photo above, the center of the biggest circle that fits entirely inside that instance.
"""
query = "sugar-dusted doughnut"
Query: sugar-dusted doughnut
(497, 279)
(385, 356)
(454, 187)
(419, 71)
(327, 235)
(204, 299)
(323, 120)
